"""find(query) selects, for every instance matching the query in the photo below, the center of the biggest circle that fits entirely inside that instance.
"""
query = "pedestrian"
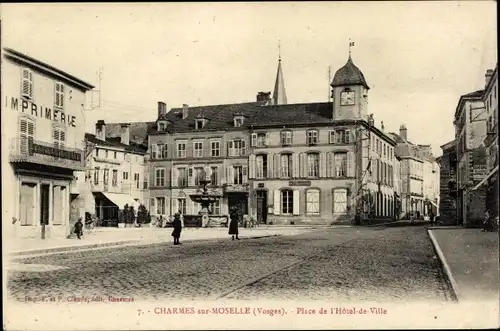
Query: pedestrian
(79, 228)
(160, 222)
(176, 233)
(412, 217)
(233, 224)
(431, 216)
(486, 220)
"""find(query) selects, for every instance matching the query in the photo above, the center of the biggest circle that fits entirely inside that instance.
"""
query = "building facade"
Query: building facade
(448, 184)
(42, 144)
(470, 132)
(116, 172)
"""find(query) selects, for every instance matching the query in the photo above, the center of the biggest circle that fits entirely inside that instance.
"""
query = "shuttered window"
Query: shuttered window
(312, 202)
(59, 95)
(287, 202)
(59, 136)
(27, 83)
(160, 177)
(340, 201)
(26, 134)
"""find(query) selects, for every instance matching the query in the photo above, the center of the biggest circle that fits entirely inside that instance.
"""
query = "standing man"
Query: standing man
(176, 233)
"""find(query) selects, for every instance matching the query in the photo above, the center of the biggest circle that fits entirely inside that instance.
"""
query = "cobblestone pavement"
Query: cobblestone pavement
(338, 263)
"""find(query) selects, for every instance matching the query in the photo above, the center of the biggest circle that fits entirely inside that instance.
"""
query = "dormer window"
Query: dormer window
(162, 126)
(238, 120)
(199, 124)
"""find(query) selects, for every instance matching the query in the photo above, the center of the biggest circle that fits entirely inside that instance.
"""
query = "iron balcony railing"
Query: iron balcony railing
(25, 150)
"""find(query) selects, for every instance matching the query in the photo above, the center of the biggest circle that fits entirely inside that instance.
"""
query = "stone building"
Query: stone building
(448, 184)
(42, 145)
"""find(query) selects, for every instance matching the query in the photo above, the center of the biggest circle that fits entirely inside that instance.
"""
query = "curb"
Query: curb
(69, 249)
(449, 275)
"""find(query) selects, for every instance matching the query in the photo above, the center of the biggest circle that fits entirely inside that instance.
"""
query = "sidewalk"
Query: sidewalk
(108, 237)
(470, 260)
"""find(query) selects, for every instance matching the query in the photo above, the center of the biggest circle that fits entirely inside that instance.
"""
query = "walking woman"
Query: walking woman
(176, 233)
(233, 224)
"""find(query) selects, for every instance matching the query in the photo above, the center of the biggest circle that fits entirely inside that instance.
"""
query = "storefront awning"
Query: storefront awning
(121, 200)
(485, 179)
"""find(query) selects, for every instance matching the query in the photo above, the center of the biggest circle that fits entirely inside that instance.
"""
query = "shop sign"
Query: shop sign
(28, 107)
(299, 183)
(55, 152)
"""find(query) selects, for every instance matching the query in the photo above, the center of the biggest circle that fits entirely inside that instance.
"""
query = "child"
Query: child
(79, 228)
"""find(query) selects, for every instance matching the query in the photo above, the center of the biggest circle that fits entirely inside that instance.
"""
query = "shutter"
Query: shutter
(30, 84)
(230, 148)
(277, 202)
(266, 143)
(303, 165)
(61, 95)
(190, 176)
(154, 148)
(175, 207)
(244, 170)
(295, 165)
(55, 136)
(25, 84)
(277, 165)
(251, 166)
(230, 175)
(350, 164)
(243, 148)
(329, 165)
(174, 173)
(253, 142)
(270, 168)
(282, 137)
(322, 165)
(207, 173)
(62, 138)
(296, 202)
(56, 93)
(167, 205)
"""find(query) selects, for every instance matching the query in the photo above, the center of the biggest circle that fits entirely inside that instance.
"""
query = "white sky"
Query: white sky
(417, 57)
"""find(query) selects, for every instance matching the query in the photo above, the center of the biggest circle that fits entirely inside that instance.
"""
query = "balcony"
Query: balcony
(44, 153)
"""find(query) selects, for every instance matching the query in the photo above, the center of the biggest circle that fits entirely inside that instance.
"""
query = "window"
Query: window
(340, 201)
(160, 205)
(238, 175)
(313, 165)
(59, 95)
(215, 148)
(199, 124)
(286, 138)
(159, 151)
(261, 166)
(26, 134)
(214, 208)
(181, 149)
(107, 153)
(312, 137)
(162, 126)
(97, 152)
(287, 202)
(214, 178)
(125, 175)
(96, 175)
(137, 181)
(312, 202)
(286, 165)
(237, 148)
(199, 175)
(160, 177)
(27, 83)
(340, 164)
(106, 176)
(261, 139)
(198, 149)
(114, 179)
(339, 136)
(181, 204)
(114, 155)
(182, 178)
(59, 136)
(238, 122)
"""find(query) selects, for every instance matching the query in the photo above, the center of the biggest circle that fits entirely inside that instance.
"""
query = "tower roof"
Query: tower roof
(279, 95)
(349, 74)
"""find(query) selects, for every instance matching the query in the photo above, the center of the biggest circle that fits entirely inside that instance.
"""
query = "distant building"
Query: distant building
(448, 184)
(42, 145)
(470, 132)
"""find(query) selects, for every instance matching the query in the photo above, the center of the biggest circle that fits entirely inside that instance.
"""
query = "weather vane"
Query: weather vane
(351, 44)
(279, 49)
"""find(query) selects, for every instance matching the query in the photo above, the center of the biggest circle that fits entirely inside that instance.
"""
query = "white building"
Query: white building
(42, 144)
(115, 172)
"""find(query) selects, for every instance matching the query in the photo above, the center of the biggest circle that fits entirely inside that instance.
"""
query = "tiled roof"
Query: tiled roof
(475, 94)
(115, 142)
(138, 131)
(349, 74)
(220, 117)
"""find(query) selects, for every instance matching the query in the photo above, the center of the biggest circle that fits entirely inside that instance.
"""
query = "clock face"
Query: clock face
(347, 98)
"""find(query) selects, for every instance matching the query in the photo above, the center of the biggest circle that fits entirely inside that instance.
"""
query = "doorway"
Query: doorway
(238, 200)
(26, 204)
(44, 204)
(262, 207)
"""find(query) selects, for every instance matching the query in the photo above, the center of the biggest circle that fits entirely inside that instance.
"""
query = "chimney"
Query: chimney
(162, 109)
(487, 76)
(125, 133)
(264, 97)
(403, 132)
(382, 126)
(100, 130)
(185, 111)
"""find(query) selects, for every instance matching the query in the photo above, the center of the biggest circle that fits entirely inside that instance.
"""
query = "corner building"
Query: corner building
(42, 144)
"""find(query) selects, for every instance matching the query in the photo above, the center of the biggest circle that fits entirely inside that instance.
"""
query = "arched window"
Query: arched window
(313, 165)
(287, 202)
(312, 202)
(340, 201)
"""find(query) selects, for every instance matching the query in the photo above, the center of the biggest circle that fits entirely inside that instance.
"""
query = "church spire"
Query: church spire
(279, 95)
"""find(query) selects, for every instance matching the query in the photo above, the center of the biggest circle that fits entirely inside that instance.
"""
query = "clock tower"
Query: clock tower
(349, 93)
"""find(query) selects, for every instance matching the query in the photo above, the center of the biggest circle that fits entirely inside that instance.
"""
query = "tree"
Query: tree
(143, 216)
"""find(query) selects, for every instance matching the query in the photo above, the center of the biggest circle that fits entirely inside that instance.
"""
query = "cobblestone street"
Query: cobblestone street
(344, 264)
